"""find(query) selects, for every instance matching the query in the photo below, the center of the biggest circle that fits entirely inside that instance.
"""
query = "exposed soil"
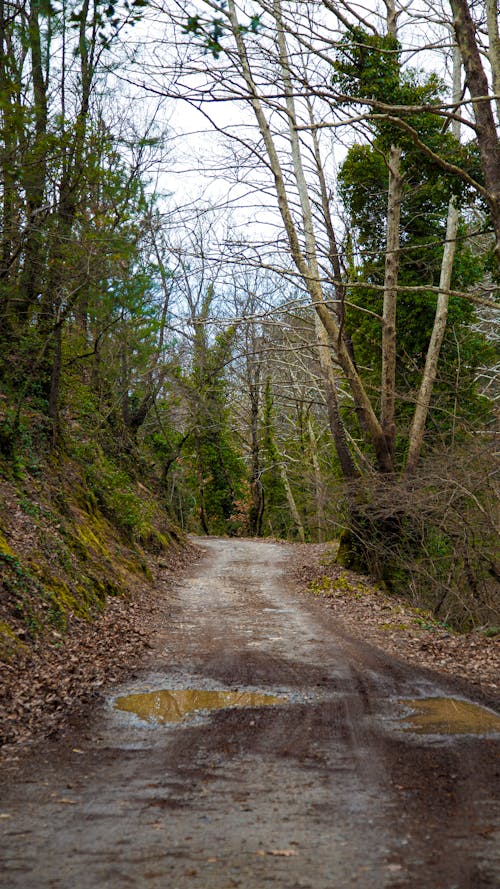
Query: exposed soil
(327, 789)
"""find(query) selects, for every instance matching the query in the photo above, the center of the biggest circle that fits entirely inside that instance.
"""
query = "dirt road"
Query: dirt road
(323, 789)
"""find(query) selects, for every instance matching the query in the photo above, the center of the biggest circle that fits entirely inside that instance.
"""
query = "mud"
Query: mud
(328, 789)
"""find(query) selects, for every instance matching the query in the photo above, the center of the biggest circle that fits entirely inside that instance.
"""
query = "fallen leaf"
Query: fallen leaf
(67, 802)
(5, 815)
(281, 853)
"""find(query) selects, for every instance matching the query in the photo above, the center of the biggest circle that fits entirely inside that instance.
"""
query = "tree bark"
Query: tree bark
(35, 173)
(494, 49)
(388, 380)
(318, 483)
(332, 403)
(434, 348)
(439, 328)
(291, 502)
(487, 136)
(257, 506)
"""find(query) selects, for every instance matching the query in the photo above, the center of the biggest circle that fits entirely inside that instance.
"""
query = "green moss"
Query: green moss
(157, 541)
(395, 626)
(5, 549)
(10, 645)
(321, 586)
(341, 585)
(350, 554)
(91, 540)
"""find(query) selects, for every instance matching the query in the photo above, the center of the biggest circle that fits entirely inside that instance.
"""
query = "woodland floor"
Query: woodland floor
(46, 688)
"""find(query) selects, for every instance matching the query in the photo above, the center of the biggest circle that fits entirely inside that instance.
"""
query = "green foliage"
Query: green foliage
(363, 182)
(212, 485)
(113, 490)
(368, 73)
(210, 32)
(368, 65)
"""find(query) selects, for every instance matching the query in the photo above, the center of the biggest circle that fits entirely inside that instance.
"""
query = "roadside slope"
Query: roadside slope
(80, 568)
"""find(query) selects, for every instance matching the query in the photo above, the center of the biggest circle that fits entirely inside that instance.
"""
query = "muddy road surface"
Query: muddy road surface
(324, 785)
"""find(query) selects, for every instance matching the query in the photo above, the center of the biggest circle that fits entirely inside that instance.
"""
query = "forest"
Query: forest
(249, 270)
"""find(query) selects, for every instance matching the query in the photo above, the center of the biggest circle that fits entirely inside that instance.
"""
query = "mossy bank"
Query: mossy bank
(66, 546)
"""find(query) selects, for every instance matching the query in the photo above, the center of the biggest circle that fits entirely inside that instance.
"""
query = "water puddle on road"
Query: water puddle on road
(172, 705)
(449, 716)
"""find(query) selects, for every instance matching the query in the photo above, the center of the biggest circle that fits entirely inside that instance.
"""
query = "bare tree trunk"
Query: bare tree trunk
(434, 348)
(291, 502)
(35, 174)
(388, 381)
(7, 155)
(318, 483)
(494, 49)
(439, 328)
(332, 403)
(487, 136)
(257, 507)
(388, 376)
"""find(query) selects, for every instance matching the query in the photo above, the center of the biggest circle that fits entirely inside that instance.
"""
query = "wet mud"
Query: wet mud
(320, 765)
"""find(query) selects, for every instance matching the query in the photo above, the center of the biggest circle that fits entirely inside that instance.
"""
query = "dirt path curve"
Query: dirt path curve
(325, 791)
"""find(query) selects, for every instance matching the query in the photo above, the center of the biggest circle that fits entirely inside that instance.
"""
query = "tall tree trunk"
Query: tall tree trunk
(438, 331)
(291, 502)
(8, 149)
(305, 261)
(54, 308)
(35, 173)
(494, 49)
(395, 192)
(439, 328)
(388, 381)
(318, 483)
(332, 403)
(257, 505)
(486, 132)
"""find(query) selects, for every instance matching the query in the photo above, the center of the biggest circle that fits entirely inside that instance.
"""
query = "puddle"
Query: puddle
(449, 716)
(172, 705)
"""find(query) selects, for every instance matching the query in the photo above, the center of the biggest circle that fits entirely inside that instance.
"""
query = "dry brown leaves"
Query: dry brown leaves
(43, 688)
(392, 624)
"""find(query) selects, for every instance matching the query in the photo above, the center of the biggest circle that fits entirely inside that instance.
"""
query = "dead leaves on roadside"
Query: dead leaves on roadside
(394, 626)
(56, 677)
(278, 853)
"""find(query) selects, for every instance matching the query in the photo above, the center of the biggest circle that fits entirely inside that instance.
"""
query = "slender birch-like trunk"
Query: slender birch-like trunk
(439, 328)
(318, 483)
(291, 502)
(388, 378)
(487, 136)
(494, 49)
(391, 274)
